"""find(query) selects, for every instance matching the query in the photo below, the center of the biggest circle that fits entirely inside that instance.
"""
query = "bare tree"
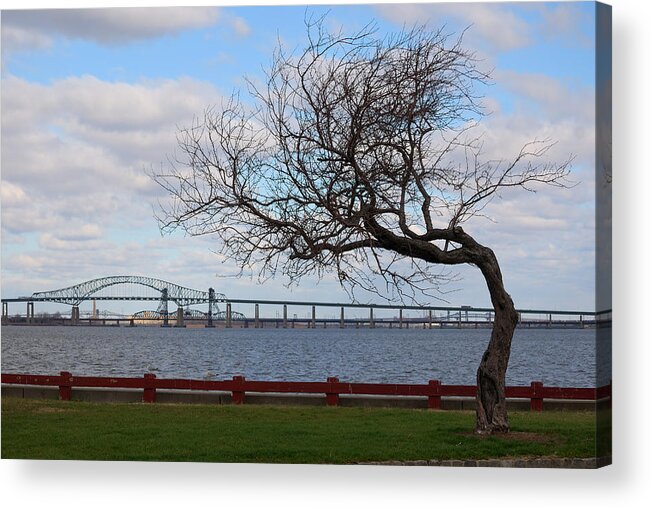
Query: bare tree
(358, 158)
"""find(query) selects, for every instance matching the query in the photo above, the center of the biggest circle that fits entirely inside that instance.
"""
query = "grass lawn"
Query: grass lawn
(39, 429)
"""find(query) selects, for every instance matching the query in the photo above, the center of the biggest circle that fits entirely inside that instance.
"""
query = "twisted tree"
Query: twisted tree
(358, 157)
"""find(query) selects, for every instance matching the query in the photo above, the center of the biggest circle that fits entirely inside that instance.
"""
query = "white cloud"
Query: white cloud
(494, 24)
(17, 38)
(70, 243)
(560, 20)
(28, 29)
(74, 152)
(240, 26)
(549, 96)
(500, 26)
(12, 195)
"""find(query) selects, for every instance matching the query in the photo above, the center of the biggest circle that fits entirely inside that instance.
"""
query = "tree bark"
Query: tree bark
(491, 374)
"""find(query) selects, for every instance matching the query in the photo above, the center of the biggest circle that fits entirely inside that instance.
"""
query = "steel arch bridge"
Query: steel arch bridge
(180, 295)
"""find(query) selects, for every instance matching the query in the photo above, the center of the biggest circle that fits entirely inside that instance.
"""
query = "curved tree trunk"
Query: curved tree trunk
(491, 374)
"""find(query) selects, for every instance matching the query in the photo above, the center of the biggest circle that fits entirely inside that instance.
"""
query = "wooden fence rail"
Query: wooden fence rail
(332, 388)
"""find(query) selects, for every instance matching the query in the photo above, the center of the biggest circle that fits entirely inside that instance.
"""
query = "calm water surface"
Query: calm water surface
(556, 357)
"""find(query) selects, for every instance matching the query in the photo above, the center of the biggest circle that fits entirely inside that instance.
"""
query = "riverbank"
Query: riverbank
(44, 429)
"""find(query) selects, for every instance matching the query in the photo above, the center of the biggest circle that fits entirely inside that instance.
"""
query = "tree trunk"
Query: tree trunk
(491, 374)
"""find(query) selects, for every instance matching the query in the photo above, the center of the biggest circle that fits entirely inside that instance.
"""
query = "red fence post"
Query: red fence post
(332, 398)
(238, 395)
(605, 393)
(434, 399)
(536, 396)
(65, 386)
(149, 393)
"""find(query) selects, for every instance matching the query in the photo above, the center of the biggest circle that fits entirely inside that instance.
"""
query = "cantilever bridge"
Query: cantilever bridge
(139, 288)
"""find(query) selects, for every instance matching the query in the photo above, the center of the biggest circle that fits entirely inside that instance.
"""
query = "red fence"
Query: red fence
(332, 388)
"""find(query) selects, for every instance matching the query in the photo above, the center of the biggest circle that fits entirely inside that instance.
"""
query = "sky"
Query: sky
(92, 100)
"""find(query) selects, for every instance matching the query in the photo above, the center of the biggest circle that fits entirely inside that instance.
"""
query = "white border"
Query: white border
(105, 484)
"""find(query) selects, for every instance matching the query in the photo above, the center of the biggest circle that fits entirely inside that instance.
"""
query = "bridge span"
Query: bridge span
(151, 289)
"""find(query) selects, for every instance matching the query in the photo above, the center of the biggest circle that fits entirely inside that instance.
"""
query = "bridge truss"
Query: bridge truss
(156, 315)
(167, 291)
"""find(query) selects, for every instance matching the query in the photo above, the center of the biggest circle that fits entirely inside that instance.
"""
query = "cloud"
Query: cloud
(19, 39)
(494, 24)
(34, 29)
(74, 152)
(71, 244)
(37, 29)
(240, 26)
(548, 95)
(12, 195)
(501, 26)
(563, 21)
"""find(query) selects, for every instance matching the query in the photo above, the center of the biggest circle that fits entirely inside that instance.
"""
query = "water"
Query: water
(380, 355)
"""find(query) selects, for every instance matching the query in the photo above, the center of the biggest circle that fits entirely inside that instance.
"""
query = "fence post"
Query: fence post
(65, 386)
(434, 398)
(536, 396)
(238, 394)
(332, 398)
(605, 393)
(149, 392)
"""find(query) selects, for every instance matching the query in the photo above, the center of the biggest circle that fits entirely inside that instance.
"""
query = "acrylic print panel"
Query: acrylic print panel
(386, 234)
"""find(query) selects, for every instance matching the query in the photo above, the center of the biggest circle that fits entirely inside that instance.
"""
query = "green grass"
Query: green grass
(38, 429)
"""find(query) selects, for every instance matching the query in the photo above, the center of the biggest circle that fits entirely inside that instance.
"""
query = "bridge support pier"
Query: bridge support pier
(228, 315)
(341, 319)
(257, 315)
(163, 307)
(430, 319)
(371, 323)
(74, 315)
(30, 312)
(400, 319)
(285, 316)
(5, 313)
(211, 301)
(180, 323)
(313, 316)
